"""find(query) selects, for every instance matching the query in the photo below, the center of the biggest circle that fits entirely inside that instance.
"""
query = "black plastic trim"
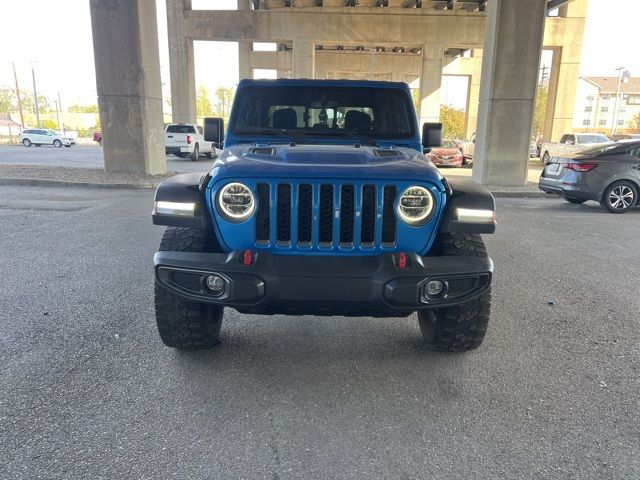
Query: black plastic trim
(467, 194)
(183, 188)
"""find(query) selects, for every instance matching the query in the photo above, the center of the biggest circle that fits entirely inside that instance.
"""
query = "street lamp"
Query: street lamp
(623, 76)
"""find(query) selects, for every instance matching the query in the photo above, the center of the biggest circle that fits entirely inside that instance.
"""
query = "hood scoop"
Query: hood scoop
(386, 153)
(263, 150)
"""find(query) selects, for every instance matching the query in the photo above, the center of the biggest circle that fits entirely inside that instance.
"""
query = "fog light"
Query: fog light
(215, 284)
(434, 288)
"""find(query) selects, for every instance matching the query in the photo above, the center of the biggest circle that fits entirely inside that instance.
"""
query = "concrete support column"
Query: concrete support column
(182, 70)
(127, 60)
(244, 49)
(473, 94)
(303, 59)
(430, 82)
(511, 57)
(565, 69)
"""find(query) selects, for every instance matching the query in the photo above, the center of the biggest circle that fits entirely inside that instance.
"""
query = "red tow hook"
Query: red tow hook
(402, 260)
(247, 258)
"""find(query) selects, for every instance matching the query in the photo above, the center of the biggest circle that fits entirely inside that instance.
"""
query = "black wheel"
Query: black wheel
(574, 200)
(545, 158)
(26, 142)
(195, 155)
(620, 197)
(100, 142)
(462, 327)
(182, 323)
(57, 143)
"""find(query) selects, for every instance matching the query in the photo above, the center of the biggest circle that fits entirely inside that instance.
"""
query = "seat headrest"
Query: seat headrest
(285, 119)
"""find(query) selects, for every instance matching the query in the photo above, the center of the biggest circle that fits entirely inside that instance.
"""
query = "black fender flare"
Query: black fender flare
(464, 193)
(183, 188)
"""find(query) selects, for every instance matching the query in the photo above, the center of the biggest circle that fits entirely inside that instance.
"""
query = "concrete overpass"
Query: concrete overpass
(333, 39)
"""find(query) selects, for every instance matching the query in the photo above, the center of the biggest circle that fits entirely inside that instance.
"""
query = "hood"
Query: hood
(324, 161)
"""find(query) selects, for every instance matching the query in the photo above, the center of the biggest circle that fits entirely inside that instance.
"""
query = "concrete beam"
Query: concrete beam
(127, 61)
(511, 57)
(303, 59)
(181, 63)
(378, 26)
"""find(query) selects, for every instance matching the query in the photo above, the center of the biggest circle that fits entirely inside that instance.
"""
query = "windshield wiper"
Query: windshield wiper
(275, 131)
(363, 138)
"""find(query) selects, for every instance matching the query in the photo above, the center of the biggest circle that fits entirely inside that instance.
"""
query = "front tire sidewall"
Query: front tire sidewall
(26, 142)
(57, 143)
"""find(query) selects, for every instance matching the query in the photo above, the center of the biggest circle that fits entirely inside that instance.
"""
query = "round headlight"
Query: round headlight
(415, 205)
(236, 202)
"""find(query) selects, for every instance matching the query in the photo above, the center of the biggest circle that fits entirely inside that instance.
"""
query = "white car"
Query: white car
(42, 136)
(187, 140)
(571, 143)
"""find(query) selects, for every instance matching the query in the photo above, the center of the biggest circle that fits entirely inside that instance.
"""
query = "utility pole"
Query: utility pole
(35, 95)
(543, 75)
(623, 73)
(57, 116)
(60, 106)
(15, 76)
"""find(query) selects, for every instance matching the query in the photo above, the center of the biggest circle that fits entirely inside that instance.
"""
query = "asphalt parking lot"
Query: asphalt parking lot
(90, 392)
(83, 156)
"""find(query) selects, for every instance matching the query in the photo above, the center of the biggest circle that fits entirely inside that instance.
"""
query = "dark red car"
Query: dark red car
(97, 137)
(447, 155)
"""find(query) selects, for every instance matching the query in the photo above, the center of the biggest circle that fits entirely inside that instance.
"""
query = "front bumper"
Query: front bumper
(328, 285)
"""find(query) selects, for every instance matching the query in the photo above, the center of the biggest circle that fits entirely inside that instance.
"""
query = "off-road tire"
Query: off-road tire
(577, 201)
(626, 186)
(182, 323)
(195, 155)
(461, 327)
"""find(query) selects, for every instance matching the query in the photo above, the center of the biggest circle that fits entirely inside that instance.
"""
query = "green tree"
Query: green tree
(634, 123)
(50, 124)
(7, 99)
(44, 105)
(83, 108)
(540, 111)
(452, 122)
(203, 104)
(224, 95)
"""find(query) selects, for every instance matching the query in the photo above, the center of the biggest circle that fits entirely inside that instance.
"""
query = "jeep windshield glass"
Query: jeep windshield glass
(368, 112)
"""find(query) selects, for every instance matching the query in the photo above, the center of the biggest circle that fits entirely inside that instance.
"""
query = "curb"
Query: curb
(523, 194)
(38, 182)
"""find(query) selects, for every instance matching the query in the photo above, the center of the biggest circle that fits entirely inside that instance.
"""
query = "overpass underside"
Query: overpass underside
(399, 40)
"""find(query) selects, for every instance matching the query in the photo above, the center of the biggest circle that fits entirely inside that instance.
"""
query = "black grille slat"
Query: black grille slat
(284, 213)
(305, 213)
(347, 214)
(368, 230)
(388, 215)
(325, 221)
(263, 216)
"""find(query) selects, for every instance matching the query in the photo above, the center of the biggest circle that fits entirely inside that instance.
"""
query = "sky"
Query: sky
(56, 41)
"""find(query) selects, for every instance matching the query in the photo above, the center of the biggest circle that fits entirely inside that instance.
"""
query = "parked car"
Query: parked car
(447, 155)
(187, 140)
(300, 216)
(625, 136)
(609, 174)
(533, 149)
(41, 136)
(97, 137)
(571, 143)
(468, 150)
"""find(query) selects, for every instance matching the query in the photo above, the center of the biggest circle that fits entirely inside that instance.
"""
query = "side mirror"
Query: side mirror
(214, 131)
(431, 135)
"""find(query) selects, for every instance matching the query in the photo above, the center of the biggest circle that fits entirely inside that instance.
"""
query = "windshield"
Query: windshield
(324, 110)
(180, 129)
(592, 139)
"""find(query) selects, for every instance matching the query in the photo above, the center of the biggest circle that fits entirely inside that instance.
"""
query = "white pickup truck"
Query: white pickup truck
(187, 140)
(571, 143)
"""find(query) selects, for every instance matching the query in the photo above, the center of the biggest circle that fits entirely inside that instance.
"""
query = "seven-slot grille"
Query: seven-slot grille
(327, 215)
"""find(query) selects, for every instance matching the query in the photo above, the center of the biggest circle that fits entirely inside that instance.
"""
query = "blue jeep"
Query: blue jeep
(322, 203)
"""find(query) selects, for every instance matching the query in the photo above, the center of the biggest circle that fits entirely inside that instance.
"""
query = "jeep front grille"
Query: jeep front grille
(326, 215)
